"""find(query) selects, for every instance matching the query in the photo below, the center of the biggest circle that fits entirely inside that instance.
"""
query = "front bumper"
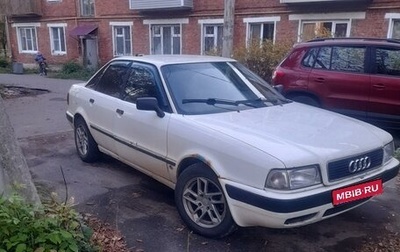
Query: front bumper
(252, 208)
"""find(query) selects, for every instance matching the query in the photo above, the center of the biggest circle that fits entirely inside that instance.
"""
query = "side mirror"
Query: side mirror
(149, 104)
(279, 88)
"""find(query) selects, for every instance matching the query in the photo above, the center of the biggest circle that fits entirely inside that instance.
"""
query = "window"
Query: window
(122, 40)
(212, 39)
(87, 8)
(348, 59)
(262, 32)
(388, 61)
(57, 39)
(314, 29)
(140, 83)
(396, 29)
(332, 24)
(394, 25)
(338, 58)
(166, 39)
(112, 80)
(27, 39)
(261, 29)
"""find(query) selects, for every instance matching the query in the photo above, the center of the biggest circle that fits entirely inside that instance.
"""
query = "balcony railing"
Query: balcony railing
(148, 5)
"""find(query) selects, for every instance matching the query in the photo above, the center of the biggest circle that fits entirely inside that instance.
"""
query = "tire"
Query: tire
(306, 100)
(205, 214)
(85, 145)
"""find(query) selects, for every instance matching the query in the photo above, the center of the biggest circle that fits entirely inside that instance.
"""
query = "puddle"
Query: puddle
(9, 92)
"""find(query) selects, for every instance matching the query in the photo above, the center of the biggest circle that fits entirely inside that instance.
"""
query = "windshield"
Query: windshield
(212, 87)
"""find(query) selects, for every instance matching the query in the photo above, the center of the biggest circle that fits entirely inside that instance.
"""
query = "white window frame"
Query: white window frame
(121, 24)
(341, 17)
(81, 5)
(52, 41)
(207, 22)
(262, 21)
(34, 26)
(392, 17)
(166, 22)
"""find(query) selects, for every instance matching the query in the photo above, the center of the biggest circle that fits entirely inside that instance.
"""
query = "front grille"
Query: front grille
(340, 169)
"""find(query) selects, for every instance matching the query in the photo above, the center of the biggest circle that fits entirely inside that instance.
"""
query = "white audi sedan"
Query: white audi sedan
(235, 151)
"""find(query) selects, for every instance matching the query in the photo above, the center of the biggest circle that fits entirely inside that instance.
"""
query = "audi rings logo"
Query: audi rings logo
(359, 164)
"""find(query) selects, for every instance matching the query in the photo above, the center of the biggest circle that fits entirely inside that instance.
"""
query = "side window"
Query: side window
(323, 60)
(348, 59)
(388, 61)
(141, 82)
(310, 57)
(113, 78)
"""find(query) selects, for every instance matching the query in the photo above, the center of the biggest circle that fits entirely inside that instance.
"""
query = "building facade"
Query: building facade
(94, 31)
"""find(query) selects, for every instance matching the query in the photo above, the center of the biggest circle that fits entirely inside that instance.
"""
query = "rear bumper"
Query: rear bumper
(252, 208)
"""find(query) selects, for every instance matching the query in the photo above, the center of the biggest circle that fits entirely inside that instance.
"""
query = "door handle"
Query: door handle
(379, 86)
(120, 112)
(91, 100)
(320, 80)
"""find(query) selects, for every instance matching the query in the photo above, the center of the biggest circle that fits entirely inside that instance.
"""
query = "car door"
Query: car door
(384, 102)
(340, 80)
(102, 103)
(142, 135)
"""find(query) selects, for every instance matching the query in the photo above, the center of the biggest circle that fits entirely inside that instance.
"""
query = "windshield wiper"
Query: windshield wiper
(214, 101)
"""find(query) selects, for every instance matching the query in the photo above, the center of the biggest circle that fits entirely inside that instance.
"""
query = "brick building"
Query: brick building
(94, 31)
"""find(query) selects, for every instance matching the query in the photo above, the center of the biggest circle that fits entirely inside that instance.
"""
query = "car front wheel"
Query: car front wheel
(85, 145)
(201, 202)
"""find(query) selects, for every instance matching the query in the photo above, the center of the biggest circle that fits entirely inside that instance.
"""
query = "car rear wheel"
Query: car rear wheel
(306, 100)
(201, 202)
(85, 145)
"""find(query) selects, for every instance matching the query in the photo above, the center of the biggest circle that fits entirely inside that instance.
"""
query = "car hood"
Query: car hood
(297, 133)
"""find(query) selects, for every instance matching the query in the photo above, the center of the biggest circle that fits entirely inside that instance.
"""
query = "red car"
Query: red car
(358, 77)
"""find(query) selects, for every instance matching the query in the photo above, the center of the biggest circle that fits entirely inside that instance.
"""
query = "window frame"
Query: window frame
(203, 25)
(87, 12)
(61, 40)
(333, 29)
(34, 40)
(393, 17)
(260, 20)
(326, 17)
(124, 25)
(165, 22)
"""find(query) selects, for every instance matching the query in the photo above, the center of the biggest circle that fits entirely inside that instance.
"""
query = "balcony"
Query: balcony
(156, 5)
(24, 8)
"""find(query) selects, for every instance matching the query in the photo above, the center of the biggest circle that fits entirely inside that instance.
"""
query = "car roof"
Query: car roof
(161, 60)
(350, 41)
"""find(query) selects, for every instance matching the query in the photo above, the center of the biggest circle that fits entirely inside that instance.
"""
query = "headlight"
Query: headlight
(290, 179)
(388, 152)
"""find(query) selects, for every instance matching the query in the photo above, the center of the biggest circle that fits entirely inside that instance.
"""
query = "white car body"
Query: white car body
(240, 147)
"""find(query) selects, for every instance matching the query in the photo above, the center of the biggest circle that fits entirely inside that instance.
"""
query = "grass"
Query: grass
(76, 74)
